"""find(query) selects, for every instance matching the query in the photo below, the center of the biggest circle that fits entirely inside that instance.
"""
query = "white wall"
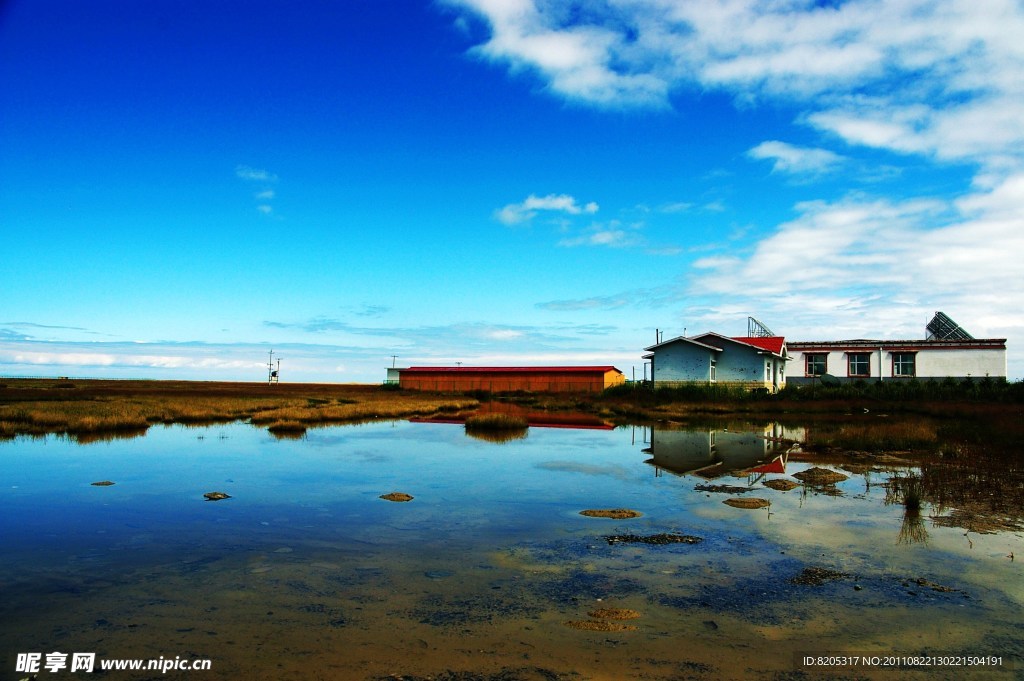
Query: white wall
(930, 362)
(962, 363)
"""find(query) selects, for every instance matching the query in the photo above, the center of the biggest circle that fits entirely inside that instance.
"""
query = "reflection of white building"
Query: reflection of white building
(947, 352)
(713, 453)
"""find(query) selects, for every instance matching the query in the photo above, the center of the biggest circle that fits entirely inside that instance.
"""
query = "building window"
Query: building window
(903, 364)
(767, 371)
(815, 364)
(712, 371)
(859, 364)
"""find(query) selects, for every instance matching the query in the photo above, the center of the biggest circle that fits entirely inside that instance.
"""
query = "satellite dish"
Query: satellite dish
(829, 380)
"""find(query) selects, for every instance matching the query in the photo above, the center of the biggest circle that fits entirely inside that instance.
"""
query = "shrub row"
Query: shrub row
(950, 389)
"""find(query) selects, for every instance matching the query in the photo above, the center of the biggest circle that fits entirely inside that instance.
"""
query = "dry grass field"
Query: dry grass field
(91, 409)
(87, 409)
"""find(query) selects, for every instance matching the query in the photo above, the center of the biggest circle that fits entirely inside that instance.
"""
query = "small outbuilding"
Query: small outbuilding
(748, 361)
(511, 379)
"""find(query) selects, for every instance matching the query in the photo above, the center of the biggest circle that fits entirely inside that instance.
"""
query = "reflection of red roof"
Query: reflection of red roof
(506, 370)
(772, 344)
(776, 465)
(592, 424)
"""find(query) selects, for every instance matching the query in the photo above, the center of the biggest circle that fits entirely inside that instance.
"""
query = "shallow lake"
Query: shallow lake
(490, 572)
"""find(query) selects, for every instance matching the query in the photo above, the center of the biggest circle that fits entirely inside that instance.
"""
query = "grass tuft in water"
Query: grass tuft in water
(496, 422)
(906, 489)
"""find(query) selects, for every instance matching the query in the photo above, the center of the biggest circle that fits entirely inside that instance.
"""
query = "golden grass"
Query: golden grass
(497, 427)
(84, 409)
(496, 422)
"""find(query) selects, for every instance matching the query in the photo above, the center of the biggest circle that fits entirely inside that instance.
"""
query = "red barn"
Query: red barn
(508, 379)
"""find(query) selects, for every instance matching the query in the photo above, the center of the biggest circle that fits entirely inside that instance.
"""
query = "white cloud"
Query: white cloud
(943, 75)
(594, 303)
(124, 359)
(575, 60)
(788, 158)
(604, 236)
(515, 213)
(504, 334)
(613, 234)
(61, 358)
(676, 207)
(254, 174)
(263, 195)
(898, 259)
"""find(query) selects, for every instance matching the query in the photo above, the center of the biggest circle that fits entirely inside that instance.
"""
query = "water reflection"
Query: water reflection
(501, 436)
(979, 489)
(306, 557)
(84, 438)
(287, 434)
(535, 418)
(750, 452)
(904, 488)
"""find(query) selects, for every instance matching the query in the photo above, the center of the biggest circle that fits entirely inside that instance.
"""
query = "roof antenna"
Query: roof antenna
(756, 329)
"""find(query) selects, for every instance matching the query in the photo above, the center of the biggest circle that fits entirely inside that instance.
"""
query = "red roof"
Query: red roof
(772, 344)
(506, 370)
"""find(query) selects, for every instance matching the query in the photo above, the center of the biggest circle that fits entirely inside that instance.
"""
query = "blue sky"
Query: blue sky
(186, 185)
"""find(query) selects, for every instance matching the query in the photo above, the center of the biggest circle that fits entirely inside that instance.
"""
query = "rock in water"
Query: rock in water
(747, 502)
(820, 476)
(616, 513)
(102, 483)
(397, 496)
(781, 484)
(216, 496)
(657, 539)
(599, 625)
(613, 614)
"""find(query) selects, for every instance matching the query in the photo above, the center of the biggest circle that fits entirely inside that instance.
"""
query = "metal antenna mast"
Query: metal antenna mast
(273, 375)
(756, 329)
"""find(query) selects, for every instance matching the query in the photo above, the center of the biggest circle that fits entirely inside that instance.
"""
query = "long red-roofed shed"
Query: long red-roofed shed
(509, 379)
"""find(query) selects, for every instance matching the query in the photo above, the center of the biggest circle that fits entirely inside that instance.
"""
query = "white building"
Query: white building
(757, 362)
(947, 352)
